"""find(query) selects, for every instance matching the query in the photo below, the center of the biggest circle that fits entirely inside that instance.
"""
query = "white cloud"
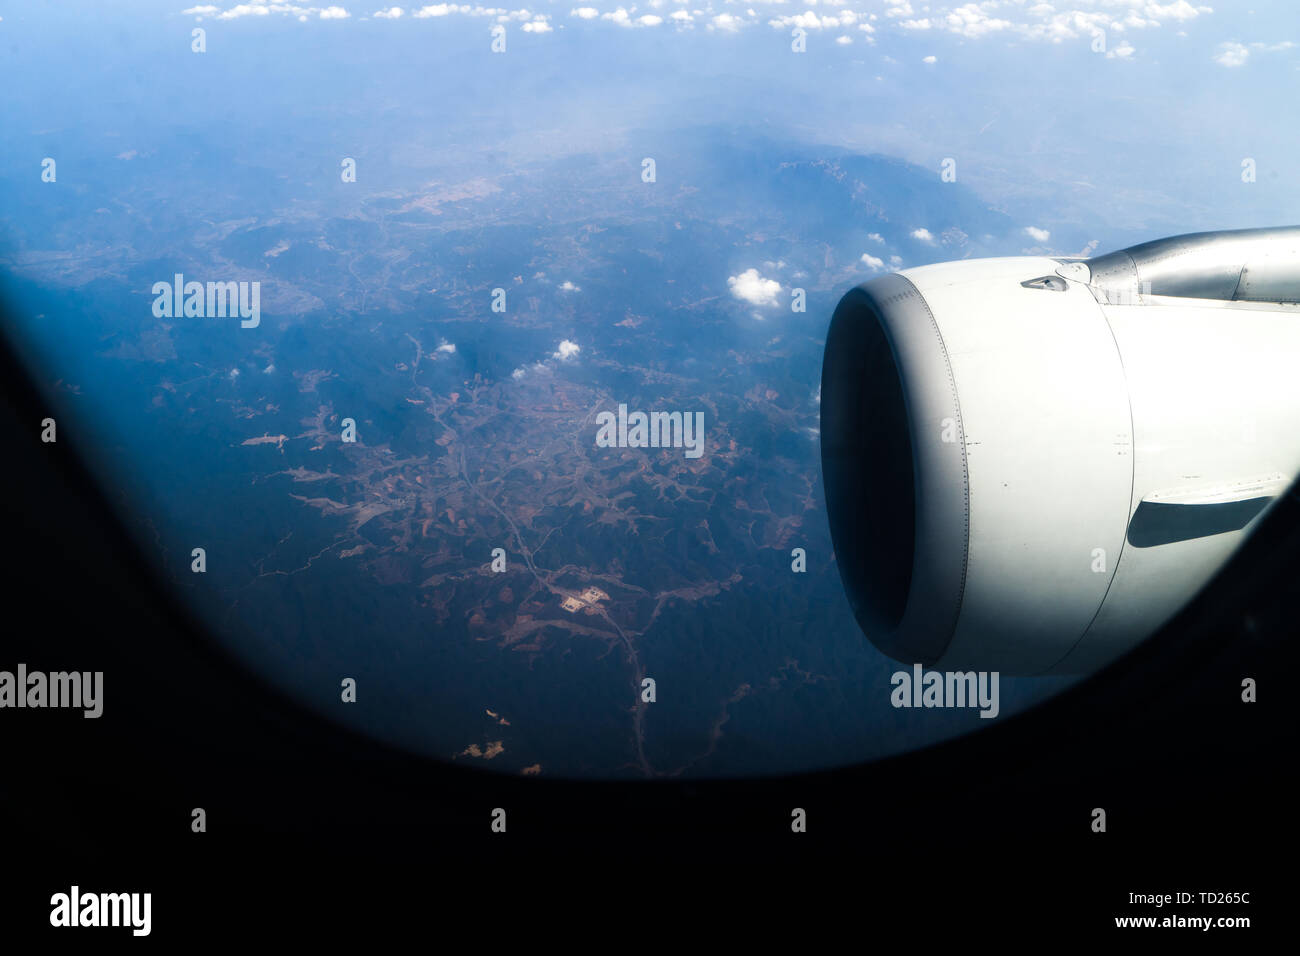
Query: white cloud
(1121, 52)
(523, 370)
(619, 16)
(810, 20)
(566, 351)
(971, 21)
(923, 234)
(334, 13)
(537, 26)
(844, 40)
(930, 59)
(1232, 54)
(1040, 235)
(585, 13)
(875, 237)
(568, 286)
(726, 21)
(1042, 21)
(1179, 10)
(392, 13)
(871, 262)
(753, 288)
(245, 10)
(202, 11)
(445, 346)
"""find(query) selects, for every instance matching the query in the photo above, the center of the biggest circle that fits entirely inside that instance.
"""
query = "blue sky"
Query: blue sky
(1106, 120)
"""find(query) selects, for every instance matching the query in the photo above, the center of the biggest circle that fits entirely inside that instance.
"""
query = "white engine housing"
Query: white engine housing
(1088, 443)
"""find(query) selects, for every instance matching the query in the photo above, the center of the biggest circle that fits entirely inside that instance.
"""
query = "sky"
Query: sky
(1130, 115)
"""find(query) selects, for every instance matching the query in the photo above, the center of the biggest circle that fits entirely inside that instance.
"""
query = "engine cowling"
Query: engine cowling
(1032, 463)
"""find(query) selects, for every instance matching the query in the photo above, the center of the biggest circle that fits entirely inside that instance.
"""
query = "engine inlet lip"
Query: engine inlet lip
(920, 628)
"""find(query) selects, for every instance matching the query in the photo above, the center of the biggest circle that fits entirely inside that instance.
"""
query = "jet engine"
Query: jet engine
(1032, 463)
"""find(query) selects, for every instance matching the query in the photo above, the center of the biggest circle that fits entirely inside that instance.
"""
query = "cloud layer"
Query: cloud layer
(1114, 21)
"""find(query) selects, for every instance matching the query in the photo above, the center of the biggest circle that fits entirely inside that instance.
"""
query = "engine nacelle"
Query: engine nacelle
(1032, 463)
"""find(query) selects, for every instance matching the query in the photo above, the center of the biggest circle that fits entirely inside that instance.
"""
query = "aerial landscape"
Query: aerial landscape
(463, 261)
